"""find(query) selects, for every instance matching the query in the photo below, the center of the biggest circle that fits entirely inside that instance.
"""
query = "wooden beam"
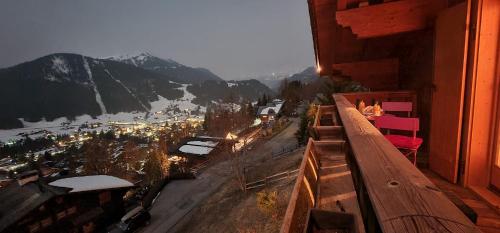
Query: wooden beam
(376, 75)
(390, 18)
(402, 198)
(323, 30)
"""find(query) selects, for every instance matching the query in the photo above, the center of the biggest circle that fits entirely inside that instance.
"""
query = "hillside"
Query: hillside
(68, 85)
(209, 91)
(71, 85)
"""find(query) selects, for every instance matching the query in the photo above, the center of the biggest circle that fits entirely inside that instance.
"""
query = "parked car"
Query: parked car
(133, 220)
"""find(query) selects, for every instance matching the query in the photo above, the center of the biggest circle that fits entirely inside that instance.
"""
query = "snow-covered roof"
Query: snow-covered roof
(271, 109)
(91, 183)
(196, 150)
(203, 143)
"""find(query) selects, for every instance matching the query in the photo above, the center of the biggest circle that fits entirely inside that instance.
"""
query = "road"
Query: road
(179, 197)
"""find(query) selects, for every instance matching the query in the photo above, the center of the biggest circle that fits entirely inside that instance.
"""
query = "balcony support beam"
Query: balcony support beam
(390, 18)
(376, 75)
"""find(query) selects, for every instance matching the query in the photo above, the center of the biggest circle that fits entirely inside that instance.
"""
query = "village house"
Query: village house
(270, 111)
(73, 204)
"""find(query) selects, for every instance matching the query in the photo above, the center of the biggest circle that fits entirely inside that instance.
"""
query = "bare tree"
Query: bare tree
(156, 166)
(98, 159)
(237, 154)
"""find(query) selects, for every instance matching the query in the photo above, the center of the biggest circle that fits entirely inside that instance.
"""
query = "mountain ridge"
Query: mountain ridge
(71, 85)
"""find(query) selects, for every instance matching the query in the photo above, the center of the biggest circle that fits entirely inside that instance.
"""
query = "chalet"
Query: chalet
(74, 204)
(443, 58)
(270, 111)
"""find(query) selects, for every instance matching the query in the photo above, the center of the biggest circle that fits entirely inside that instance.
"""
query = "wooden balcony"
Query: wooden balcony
(389, 18)
(361, 178)
(327, 124)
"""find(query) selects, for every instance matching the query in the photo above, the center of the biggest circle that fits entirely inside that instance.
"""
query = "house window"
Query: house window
(88, 228)
(104, 197)
(71, 210)
(59, 200)
(46, 222)
(35, 227)
(61, 215)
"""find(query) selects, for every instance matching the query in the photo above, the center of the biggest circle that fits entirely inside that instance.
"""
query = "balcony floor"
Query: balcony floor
(488, 219)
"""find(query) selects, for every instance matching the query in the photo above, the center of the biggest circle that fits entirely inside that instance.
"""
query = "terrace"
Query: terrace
(352, 179)
(446, 52)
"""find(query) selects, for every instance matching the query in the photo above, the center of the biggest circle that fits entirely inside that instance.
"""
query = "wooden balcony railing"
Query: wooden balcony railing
(380, 96)
(323, 183)
(327, 123)
(304, 193)
(370, 179)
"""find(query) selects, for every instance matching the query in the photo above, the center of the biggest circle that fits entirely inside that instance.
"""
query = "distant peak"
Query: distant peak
(128, 56)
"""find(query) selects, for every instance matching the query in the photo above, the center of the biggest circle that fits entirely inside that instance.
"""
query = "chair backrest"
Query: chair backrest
(398, 123)
(397, 107)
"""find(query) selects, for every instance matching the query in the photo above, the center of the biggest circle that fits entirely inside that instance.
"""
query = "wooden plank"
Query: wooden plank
(448, 96)
(483, 81)
(329, 132)
(345, 4)
(390, 18)
(297, 206)
(323, 31)
(336, 188)
(395, 187)
(380, 74)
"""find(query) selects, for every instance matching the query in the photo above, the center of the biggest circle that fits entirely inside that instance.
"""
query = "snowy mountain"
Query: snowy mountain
(181, 73)
(274, 81)
(306, 76)
(72, 85)
(69, 85)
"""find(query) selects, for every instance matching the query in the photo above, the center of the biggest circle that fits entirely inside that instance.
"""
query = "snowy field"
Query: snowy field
(161, 111)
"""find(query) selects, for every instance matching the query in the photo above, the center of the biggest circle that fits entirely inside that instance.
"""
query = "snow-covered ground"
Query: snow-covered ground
(98, 98)
(161, 111)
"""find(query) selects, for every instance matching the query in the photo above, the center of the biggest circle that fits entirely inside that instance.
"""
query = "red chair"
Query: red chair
(398, 107)
(407, 143)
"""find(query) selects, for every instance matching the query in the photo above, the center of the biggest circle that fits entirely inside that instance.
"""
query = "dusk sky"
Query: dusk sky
(233, 38)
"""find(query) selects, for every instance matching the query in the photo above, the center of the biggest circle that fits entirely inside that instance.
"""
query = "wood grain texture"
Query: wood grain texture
(448, 97)
(382, 74)
(403, 199)
(390, 18)
(337, 191)
(483, 82)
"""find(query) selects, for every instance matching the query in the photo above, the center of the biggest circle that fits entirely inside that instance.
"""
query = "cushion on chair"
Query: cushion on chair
(404, 142)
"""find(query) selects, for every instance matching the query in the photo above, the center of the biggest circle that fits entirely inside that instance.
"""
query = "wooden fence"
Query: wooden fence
(284, 151)
(271, 179)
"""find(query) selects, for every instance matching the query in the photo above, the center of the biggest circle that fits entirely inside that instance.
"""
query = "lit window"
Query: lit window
(61, 215)
(34, 227)
(104, 197)
(71, 210)
(46, 222)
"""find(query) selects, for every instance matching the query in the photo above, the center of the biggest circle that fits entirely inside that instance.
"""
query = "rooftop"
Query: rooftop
(91, 183)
